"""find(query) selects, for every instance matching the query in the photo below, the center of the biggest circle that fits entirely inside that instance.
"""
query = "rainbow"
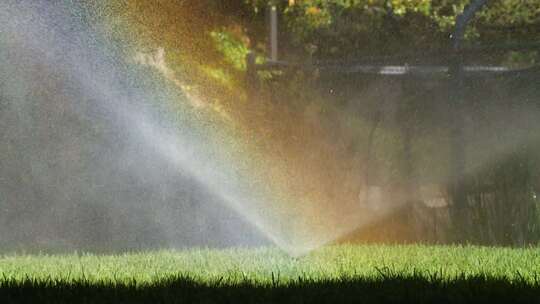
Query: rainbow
(301, 197)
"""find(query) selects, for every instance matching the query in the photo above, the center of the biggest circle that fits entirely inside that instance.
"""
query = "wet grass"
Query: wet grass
(368, 274)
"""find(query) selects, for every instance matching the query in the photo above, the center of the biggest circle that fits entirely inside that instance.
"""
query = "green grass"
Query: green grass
(337, 273)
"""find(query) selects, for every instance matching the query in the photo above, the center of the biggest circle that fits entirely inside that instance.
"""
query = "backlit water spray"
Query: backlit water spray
(92, 145)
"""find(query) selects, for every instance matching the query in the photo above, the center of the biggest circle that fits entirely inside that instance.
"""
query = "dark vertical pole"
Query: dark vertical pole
(460, 216)
(273, 31)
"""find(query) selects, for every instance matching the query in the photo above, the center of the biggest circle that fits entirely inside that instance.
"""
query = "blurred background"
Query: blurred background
(369, 120)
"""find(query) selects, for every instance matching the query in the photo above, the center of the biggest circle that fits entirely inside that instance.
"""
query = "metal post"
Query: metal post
(273, 32)
(460, 216)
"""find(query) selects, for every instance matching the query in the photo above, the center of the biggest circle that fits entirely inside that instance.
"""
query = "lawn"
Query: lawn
(341, 273)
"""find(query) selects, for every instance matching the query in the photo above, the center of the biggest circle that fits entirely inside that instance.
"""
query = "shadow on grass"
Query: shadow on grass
(351, 290)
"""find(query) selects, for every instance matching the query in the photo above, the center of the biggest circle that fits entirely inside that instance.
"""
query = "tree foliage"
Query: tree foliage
(355, 28)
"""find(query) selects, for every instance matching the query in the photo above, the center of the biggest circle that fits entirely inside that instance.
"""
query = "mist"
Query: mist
(105, 148)
(83, 161)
